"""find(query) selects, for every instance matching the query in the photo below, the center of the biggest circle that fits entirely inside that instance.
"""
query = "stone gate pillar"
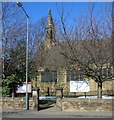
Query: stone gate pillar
(59, 96)
(35, 95)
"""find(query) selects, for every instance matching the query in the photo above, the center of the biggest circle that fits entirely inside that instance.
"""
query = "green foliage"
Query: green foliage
(5, 91)
(9, 85)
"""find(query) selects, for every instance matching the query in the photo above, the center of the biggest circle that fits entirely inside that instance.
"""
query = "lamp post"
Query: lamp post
(27, 101)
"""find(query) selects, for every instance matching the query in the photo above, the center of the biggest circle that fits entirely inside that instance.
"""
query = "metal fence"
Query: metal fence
(91, 93)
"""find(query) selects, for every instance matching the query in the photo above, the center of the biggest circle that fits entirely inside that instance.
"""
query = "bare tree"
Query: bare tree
(14, 28)
(14, 42)
(14, 38)
(90, 51)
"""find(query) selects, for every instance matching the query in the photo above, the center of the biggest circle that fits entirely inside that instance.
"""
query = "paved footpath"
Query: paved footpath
(53, 113)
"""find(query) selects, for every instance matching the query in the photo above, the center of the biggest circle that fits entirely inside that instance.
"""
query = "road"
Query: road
(53, 114)
(29, 114)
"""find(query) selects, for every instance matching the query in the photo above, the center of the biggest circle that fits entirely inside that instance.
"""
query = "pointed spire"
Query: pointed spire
(50, 32)
(50, 20)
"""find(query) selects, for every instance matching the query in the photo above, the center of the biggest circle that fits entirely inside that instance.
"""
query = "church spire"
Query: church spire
(50, 20)
(50, 32)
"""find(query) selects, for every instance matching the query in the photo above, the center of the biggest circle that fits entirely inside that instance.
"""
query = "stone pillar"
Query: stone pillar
(59, 96)
(35, 94)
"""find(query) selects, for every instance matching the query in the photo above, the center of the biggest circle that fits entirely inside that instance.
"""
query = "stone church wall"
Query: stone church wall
(62, 81)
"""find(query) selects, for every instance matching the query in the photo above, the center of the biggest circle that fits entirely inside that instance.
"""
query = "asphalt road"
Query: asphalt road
(53, 114)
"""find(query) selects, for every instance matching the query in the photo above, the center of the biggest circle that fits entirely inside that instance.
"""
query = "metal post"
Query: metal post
(27, 101)
(27, 106)
(85, 94)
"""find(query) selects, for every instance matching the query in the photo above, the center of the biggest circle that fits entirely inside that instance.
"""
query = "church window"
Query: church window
(50, 76)
(73, 75)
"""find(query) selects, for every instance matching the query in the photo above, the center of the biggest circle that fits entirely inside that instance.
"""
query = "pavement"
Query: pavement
(52, 112)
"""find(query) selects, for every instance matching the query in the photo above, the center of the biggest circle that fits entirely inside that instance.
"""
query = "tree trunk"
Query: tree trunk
(100, 90)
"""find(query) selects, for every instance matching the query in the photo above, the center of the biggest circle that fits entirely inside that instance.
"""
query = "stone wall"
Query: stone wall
(16, 103)
(62, 81)
(73, 104)
(65, 104)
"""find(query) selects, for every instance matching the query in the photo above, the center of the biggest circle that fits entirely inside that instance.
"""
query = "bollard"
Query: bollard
(35, 94)
(59, 96)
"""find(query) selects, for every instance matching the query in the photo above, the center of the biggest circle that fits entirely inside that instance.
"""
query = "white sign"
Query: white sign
(34, 93)
(21, 88)
(79, 86)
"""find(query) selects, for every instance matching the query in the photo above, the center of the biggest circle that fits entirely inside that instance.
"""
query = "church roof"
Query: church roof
(98, 50)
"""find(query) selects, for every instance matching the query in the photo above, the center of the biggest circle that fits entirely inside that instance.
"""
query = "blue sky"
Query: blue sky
(37, 10)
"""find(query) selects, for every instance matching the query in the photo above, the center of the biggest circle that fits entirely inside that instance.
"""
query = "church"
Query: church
(54, 72)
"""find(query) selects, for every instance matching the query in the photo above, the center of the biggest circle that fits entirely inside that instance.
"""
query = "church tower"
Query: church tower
(50, 32)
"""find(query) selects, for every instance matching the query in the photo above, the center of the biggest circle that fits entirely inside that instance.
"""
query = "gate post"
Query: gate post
(35, 94)
(59, 96)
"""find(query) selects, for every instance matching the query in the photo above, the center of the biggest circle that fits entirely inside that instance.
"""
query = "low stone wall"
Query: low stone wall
(75, 104)
(16, 103)
(65, 104)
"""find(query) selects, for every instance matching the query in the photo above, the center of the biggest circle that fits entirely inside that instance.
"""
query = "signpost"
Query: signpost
(79, 86)
(21, 88)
